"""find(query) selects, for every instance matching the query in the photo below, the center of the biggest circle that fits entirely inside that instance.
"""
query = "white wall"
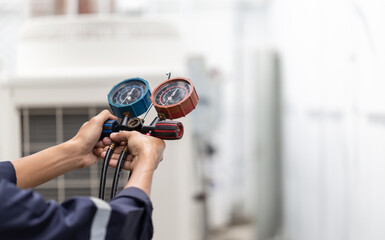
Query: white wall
(334, 131)
(10, 136)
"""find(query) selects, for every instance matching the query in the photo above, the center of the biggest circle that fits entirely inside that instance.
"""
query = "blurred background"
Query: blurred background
(286, 141)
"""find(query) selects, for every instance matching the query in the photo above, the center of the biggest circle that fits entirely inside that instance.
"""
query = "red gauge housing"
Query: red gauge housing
(176, 108)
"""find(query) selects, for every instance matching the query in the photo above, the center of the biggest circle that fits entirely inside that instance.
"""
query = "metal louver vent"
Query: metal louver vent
(42, 129)
(72, 121)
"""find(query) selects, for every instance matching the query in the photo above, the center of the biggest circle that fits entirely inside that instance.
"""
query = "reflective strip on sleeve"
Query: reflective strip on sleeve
(101, 219)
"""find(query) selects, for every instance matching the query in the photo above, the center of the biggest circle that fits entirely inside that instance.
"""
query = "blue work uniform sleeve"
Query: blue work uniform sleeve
(24, 214)
(7, 171)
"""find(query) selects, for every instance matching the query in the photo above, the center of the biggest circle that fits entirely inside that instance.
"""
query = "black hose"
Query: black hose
(103, 174)
(118, 170)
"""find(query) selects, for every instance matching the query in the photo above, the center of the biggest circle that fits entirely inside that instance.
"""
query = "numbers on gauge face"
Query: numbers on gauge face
(128, 92)
(172, 93)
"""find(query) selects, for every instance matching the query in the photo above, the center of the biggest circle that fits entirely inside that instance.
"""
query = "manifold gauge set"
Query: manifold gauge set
(131, 98)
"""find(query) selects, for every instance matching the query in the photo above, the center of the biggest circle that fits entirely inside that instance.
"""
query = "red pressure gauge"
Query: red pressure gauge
(174, 98)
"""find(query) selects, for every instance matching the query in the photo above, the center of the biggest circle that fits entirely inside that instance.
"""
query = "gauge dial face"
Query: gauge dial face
(128, 92)
(172, 93)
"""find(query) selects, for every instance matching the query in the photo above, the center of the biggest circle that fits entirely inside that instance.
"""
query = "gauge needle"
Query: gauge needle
(170, 97)
(174, 92)
(128, 95)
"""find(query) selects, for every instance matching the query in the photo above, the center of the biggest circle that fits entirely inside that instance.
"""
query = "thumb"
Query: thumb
(121, 136)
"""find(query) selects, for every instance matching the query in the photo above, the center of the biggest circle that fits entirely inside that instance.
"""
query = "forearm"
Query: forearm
(141, 179)
(142, 173)
(45, 165)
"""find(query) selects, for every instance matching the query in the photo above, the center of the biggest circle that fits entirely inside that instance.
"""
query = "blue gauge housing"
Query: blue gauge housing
(131, 97)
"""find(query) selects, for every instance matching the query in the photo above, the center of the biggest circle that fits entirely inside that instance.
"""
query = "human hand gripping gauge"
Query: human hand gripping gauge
(174, 98)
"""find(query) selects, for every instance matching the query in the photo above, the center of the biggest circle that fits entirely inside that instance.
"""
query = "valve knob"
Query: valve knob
(108, 128)
(170, 130)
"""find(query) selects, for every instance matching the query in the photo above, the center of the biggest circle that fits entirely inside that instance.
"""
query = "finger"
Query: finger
(115, 156)
(106, 141)
(100, 144)
(123, 136)
(101, 147)
(114, 163)
(127, 165)
(129, 158)
(101, 152)
(118, 149)
(104, 116)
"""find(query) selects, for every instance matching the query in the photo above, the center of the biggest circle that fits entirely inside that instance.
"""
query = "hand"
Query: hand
(145, 152)
(88, 136)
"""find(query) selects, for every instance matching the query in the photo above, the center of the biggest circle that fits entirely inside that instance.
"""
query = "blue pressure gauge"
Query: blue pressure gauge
(131, 97)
